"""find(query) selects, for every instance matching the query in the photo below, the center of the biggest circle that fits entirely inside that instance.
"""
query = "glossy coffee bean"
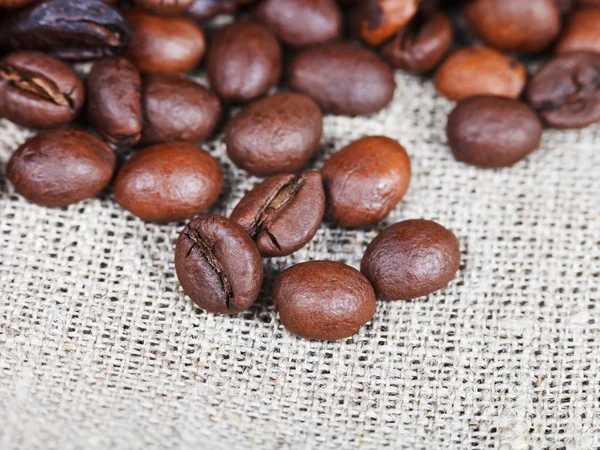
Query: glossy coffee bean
(61, 167)
(283, 213)
(300, 23)
(39, 91)
(376, 21)
(365, 181)
(243, 48)
(411, 259)
(164, 7)
(343, 78)
(202, 10)
(422, 44)
(514, 25)
(169, 182)
(73, 30)
(165, 45)
(277, 134)
(218, 265)
(323, 300)
(177, 109)
(565, 92)
(480, 71)
(493, 132)
(114, 106)
(582, 32)
(15, 3)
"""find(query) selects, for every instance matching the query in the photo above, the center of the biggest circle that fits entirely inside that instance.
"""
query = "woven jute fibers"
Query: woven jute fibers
(100, 348)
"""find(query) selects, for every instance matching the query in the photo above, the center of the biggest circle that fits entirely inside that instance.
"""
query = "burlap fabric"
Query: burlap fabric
(99, 347)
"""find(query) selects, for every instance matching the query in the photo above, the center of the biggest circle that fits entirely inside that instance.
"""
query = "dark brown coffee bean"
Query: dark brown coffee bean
(169, 182)
(177, 109)
(39, 91)
(73, 30)
(15, 3)
(164, 7)
(218, 265)
(165, 45)
(422, 44)
(323, 300)
(61, 167)
(277, 134)
(343, 78)
(300, 23)
(493, 132)
(376, 21)
(480, 71)
(114, 105)
(514, 25)
(411, 259)
(202, 10)
(283, 213)
(244, 61)
(582, 32)
(365, 181)
(565, 92)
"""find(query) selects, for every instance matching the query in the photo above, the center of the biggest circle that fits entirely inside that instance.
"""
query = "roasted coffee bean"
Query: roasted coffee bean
(73, 30)
(206, 9)
(169, 182)
(365, 181)
(218, 265)
(15, 3)
(514, 25)
(300, 23)
(61, 167)
(376, 21)
(480, 71)
(493, 131)
(114, 106)
(422, 44)
(165, 45)
(565, 92)
(323, 300)
(343, 78)
(164, 7)
(177, 109)
(39, 91)
(411, 259)
(277, 134)
(283, 213)
(244, 61)
(582, 32)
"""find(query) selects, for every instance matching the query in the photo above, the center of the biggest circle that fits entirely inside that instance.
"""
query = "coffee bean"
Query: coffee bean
(493, 131)
(376, 21)
(283, 213)
(61, 167)
(514, 25)
(218, 265)
(202, 10)
(164, 7)
(343, 78)
(15, 3)
(276, 134)
(411, 259)
(114, 105)
(422, 44)
(177, 109)
(365, 181)
(565, 92)
(39, 91)
(73, 30)
(165, 45)
(169, 182)
(480, 71)
(582, 32)
(244, 61)
(323, 300)
(300, 23)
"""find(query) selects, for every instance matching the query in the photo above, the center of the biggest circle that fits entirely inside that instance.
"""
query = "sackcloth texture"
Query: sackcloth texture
(100, 348)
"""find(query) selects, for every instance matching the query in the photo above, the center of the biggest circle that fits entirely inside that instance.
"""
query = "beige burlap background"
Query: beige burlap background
(99, 347)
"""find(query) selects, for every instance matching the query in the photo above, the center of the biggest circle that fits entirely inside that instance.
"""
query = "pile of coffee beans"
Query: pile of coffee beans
(326, 57)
